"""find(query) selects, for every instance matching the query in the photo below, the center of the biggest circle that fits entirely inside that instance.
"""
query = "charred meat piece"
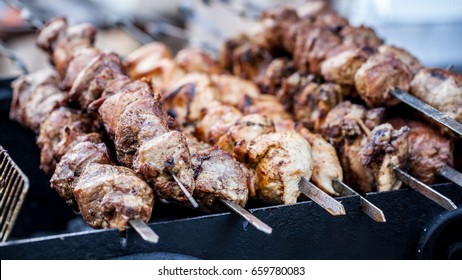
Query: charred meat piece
(218, 176)
(249, 60)
(429, 150)
(216, 122)
(72, 165)
(441, 89)
(271, 77)
(94, 78)
(226, 59)
(109, 196)
(280, 161)
(386, 149)
(196, 60)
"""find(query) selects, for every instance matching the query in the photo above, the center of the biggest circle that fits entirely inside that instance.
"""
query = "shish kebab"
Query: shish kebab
(324, 43)
(207, 103)
(99, 74)
(237, 56)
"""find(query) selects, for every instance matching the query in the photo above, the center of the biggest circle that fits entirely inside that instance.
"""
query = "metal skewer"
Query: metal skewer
(144, 230)
(366, 206)
(185, 191)
(428, 110)
(451, 174)
(321, 198)
(425, 190)
(246, 215)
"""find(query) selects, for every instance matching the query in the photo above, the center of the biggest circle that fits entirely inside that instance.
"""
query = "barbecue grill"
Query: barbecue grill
(415, 227)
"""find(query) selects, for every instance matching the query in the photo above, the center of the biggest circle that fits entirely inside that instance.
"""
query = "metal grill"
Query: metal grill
(13, 189)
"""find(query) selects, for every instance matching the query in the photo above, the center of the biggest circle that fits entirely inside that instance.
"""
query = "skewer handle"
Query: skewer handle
(246, 215)
(451, 174)
(428, 110)
(321, 198)
(144, 231)
(425, 190)
(366, 206)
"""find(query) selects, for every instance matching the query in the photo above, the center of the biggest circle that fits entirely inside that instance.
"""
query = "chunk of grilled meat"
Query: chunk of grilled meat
(314, 102)
(80, 59)
(409, 60)
(49, 35)
(60, 131)
(138, 63)
(94, 78)
(109, 196)
(196, 60)
(233, 90)
(355, 173)
(441, 89)
(360, 36)
(216, 122)
(326, 165)
(218, 176)
(35, 96)
(72, 165)
(267, 105)
(386, 149)
(280, 160)
(249, 59)
(429, 150)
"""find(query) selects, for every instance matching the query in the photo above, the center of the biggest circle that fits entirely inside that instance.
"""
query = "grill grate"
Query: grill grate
(13, 189)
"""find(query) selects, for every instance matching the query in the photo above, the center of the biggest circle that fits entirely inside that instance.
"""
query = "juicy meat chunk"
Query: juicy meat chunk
(218, 176)
(233, 90)
(410, 61)
(109, 196)
(360, 36)
(48, 36)
(271, 77)
(249, 59)
(196, 60)
(138, 63)
(385, 149)
(441, 89)
(77, 63)
(429, 150)
(266, 105)
(216, 122)
(94, 78)
(159, 157)
(280, 161)
(72, 165)
(226, 59)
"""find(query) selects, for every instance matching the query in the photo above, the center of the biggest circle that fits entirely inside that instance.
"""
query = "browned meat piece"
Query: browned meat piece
(314, 102)
(216, 122)
(331, 20)
(71, 138)
(37, 85)
(378, 76)
(441, 89)
(196, 60)
(346, 121)
(94, 78)
(280, 160)
(386, 149)
(267, 105)
(140, 122)
(242, 132)
(275, 22)
(114, 101)
(157, 158)
(429, 150)
(49, 35)
(271, 78)
(71, 166)
(249, 60)
(233, 90)
(326, 165)
(360, 36)
(109, 196)
(218, 176)
(311, 47)
(54, 134)
(227, 50)
(411, 62)
(79, 60)
(343, 62)
(75, 38)
(187, 99)
(138, 63)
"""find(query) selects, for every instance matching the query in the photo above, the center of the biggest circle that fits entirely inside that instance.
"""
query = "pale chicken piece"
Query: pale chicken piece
(267, 105)
(80, 59)
(138, 63)
(385, 150)
(94, 78)
(343, 62)
(326, 165)
(72, 165)
(441, 89)
(109, 196)
(280, 160)
(382, 73)
(158, 158)
(410, 61)
(196, 60)
(360, 36)
(141, 121)
(187, 99)
(218, 176)
(429, 149)
(233, 90)
(242, 132)
(216, 122)
(314, 102)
